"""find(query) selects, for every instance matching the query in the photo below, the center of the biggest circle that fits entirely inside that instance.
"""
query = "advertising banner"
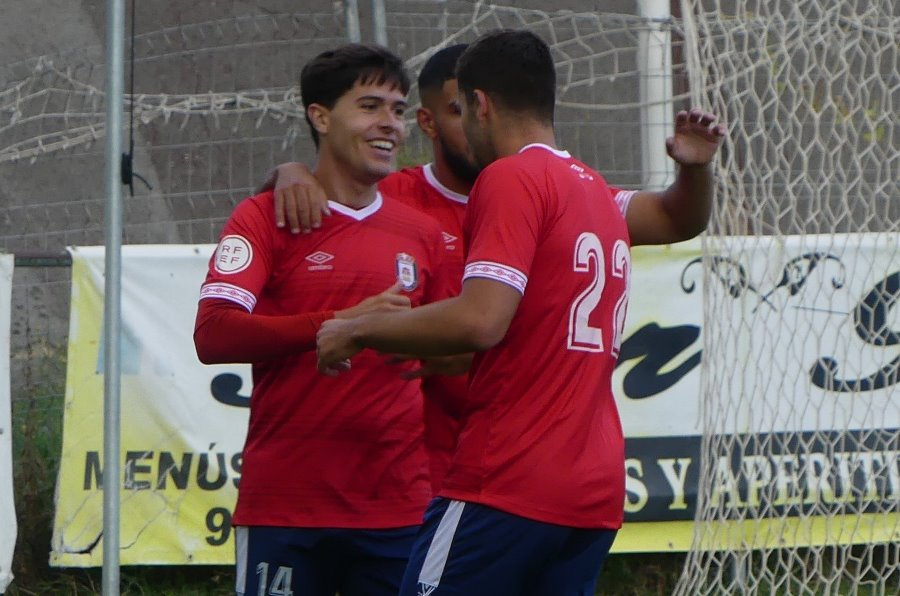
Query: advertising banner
(183, 423)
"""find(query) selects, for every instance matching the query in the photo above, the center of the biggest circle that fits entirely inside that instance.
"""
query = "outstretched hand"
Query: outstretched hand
(300, 200)
(697, 138)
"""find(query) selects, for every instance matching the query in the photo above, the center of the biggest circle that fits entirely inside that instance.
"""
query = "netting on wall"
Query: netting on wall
(216, 105)
(214, 108)
(598, 60)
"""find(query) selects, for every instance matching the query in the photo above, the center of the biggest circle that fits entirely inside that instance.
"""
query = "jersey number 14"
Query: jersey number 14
(583, 337)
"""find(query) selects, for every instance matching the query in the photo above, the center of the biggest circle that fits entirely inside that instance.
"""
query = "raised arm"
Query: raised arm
(681, 211)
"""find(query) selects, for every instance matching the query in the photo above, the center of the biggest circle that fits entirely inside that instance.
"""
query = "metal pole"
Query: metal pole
(379, 22)
(115, 50)
(351, 20)
(655, 60)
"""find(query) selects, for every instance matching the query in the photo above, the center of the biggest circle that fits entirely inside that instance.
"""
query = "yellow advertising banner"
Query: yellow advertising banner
(180, 447)
(183, 423)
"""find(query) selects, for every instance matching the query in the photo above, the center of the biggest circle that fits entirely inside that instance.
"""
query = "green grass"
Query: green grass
(37, 407)
(625, 575)
(135, 581)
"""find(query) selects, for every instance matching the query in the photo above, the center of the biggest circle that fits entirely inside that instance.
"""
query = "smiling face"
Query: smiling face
(363, 131)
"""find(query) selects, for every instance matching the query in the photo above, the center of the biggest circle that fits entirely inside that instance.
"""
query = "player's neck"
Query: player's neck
(446, 177)
(518, 133)
(341, 188)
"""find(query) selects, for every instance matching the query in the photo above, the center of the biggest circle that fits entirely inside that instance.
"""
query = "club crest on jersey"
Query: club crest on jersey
(407, 272)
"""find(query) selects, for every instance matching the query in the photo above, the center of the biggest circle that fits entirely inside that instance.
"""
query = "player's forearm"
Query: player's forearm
(224, 335)
(688, 201)
(444, 328)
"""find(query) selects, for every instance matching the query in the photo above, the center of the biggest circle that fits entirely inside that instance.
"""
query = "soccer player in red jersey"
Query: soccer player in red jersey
(535, 491)
(438, 189)
(334, 474)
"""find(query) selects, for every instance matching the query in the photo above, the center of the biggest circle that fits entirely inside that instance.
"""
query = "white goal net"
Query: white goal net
(800, 487)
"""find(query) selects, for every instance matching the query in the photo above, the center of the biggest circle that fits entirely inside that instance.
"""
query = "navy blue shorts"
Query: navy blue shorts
(321, 561)
(466, 549)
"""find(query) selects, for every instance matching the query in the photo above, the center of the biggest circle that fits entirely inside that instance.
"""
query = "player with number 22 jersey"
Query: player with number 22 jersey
(547, 225)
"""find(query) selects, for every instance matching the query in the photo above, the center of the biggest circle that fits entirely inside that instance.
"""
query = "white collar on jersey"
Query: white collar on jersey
(556, 152)
(357, 214)
(428, 170)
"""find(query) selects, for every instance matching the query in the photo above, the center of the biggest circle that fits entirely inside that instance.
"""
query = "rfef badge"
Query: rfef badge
(407, 272)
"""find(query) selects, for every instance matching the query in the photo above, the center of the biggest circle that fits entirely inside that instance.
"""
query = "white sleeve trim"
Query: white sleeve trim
(623, 199)
(229, 292)
(498, 272)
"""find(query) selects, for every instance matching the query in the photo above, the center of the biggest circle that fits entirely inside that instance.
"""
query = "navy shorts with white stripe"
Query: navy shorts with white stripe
(467, 549)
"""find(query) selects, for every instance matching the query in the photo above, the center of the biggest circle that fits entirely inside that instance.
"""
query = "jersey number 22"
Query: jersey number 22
(583, 337)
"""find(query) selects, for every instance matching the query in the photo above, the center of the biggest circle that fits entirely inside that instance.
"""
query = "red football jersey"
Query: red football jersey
(324, 451)
(420, 189)
(541, 436)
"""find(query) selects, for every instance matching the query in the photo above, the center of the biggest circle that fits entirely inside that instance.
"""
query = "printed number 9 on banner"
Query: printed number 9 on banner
(218, 521)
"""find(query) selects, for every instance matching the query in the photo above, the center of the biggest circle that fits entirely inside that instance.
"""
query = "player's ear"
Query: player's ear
(482, 105)
(319, 117)
(425, 119)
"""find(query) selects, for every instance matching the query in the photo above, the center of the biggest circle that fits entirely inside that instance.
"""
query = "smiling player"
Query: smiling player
(335, 475)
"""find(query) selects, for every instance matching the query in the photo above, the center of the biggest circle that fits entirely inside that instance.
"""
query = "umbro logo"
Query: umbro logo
(319, 257)
(448, 240)
(425, 589)
(319, 260)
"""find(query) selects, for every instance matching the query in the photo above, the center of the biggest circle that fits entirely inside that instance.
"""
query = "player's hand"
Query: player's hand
(697, 138)
(390, 300)
(300, 200)
(448, 366)
(335, 346)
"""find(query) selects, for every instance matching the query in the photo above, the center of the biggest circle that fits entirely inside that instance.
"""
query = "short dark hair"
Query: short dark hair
(515, 68)
(325, 78)
(440, 68)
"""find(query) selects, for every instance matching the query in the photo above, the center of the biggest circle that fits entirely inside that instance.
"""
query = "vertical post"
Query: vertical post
(655, 61)
(115, 49)
(351, 20)
(379, 22)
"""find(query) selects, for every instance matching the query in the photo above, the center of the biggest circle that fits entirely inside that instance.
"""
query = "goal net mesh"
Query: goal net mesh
(801, 366)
